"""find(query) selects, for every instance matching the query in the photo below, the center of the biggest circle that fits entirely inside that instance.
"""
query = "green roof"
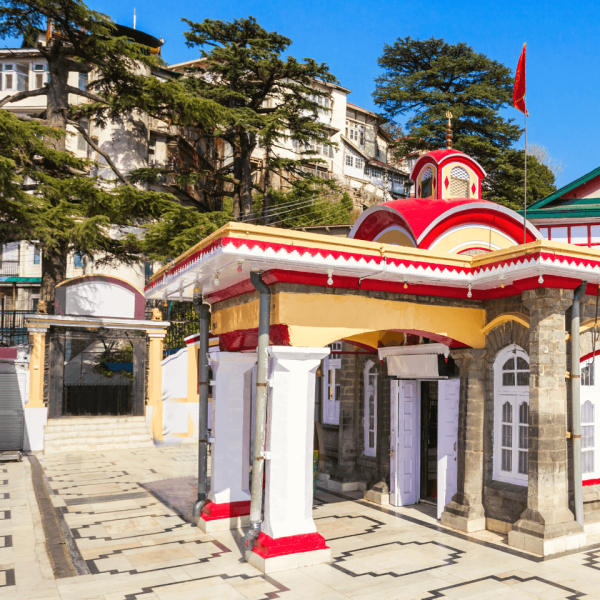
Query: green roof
(20, 280)
(565, 190)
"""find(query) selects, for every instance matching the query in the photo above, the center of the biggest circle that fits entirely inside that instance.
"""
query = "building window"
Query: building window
(83, 81)
(331, 385)
(82, 145)
(370, 400)
(39, 75)
(459, 183)
(36, 254)
(427, 183)
(78, 260)
(349, 160)
(358, 163)
(589, 395)
(511, 416)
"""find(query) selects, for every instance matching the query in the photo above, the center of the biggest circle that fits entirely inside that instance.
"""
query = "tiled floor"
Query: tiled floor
(121, 513)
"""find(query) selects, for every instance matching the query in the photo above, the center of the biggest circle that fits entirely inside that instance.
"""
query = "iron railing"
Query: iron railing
(12, 327)
(184, 322)
(9, 267)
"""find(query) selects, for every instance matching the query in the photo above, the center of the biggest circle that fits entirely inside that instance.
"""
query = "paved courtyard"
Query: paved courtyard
(114, 526)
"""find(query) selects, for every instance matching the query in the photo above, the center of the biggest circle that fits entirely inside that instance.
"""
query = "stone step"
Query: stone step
(97, 447)
(84, 436)
(99, 419)
(97, 427)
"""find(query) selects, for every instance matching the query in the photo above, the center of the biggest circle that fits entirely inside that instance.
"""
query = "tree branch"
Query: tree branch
(22, 95)
(85, 94)
(101, 152)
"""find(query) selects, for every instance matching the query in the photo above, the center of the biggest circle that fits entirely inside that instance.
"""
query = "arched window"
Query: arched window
(511, 416)
(370, 429)
(589, 394)
(427, 183)
(459, 183)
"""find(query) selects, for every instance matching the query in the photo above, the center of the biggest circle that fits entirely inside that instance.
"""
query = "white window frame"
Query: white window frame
(34, 73)
(331, 372)
(349, 160)
(515, 395)
(370, 450)
(589, 393)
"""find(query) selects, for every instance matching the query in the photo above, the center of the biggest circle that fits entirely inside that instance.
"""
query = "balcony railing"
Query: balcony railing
(12, 327)
(9, 267)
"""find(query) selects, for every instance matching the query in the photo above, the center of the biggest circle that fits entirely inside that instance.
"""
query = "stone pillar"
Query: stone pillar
(465, 512)
(229, 495)
(154, 410)
(547, 526)
(289, 537)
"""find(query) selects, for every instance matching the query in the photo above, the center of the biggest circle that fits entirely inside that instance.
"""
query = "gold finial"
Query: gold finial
(449, 130)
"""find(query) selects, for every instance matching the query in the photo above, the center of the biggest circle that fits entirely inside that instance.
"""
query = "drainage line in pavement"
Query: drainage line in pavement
(61, 547)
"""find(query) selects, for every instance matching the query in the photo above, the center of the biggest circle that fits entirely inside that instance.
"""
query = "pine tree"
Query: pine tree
(71, 211)
(425, 78)
(266, 99)
(43, 198)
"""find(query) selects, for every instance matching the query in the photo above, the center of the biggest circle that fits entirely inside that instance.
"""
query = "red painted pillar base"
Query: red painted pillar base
(220, 517)
(278, 554)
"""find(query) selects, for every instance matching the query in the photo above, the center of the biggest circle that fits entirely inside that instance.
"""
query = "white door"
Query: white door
(448, 395)
(404, 442)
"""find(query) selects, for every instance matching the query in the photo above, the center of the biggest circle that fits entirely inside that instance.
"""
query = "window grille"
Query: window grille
(427, 183)
(459, 183)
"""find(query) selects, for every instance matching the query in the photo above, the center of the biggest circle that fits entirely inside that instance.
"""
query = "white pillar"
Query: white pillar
(229, 494)
(289, 536)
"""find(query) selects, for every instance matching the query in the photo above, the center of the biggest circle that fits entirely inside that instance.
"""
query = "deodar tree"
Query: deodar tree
(266, 98)
(422, 79)
(46, 194)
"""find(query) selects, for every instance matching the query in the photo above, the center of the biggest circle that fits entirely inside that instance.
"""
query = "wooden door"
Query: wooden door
(405, 421)
(448, 396)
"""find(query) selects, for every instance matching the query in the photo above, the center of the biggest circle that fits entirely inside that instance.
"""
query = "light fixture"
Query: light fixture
(330, 277)
(405, 284)
(540, 279)
(469, 294)
(502, 282)
(216, 280)
(240, 263)
(196, 289)
(165, 300)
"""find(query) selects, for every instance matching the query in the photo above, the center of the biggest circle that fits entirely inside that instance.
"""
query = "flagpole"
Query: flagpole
(525, 203)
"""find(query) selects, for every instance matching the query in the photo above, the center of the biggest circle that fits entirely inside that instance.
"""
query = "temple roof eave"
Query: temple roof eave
(213, 265)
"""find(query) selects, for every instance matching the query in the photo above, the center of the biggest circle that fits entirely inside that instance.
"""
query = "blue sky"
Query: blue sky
(562, 40)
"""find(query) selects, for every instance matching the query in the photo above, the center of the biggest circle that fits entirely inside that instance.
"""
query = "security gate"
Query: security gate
(12, 422)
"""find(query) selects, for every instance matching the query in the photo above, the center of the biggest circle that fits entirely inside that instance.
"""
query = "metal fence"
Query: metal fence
(184, 322)
(9, 267)
(12, 327)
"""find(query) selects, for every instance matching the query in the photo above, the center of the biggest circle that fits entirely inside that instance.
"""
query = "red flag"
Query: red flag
(519, 89)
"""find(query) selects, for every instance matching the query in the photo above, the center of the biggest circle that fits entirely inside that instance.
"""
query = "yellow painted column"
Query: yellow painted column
(155, 403)
(36, 368)
(192, 373)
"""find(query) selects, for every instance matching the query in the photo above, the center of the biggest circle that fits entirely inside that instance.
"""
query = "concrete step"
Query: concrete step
(97, 447)
(96, 427)
(83, 436)
(73, 421)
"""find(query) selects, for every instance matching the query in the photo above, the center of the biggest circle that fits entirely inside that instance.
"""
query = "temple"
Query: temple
(434, 351)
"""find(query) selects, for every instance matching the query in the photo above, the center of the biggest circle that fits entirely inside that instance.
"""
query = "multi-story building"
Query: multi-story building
(361, 159)
(134, 142)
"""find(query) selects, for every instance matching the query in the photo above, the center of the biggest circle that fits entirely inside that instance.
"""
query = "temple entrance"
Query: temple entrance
(429, 440)
(424, 436)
